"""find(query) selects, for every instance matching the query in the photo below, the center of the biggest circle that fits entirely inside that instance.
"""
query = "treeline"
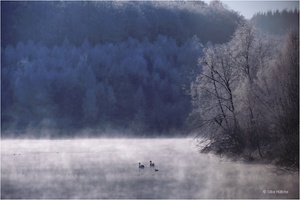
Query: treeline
(50, 22)
(246, 99)
(276, 22)
(132, 85)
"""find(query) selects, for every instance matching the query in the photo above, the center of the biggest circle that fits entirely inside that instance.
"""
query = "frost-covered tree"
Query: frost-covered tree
(229, 91)
(129, 85)
(280, 100)
(247, 94)
(251, 51)
(213, 95)
(88, 64)
(50, 23)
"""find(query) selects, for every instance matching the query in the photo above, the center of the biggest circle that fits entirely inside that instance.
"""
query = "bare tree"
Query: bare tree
(227, 92)
(251, 51)
(280, 94)
(213, 94)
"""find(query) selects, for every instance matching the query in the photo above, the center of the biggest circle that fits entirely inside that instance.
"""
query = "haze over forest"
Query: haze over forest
(101, 66)
(71, 66)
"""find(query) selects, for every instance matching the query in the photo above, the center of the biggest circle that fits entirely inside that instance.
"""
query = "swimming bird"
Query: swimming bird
(151, 164)
(156, 170)
(141, 166)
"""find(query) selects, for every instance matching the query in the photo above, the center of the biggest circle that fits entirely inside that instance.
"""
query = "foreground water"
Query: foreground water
(108, 168)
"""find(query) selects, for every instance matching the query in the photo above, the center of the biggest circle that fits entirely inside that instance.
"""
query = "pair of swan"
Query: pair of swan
(151, 165)
(142, 166)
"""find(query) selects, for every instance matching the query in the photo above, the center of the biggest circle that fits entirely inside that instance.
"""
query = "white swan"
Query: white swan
(141, 166)
(152, 164)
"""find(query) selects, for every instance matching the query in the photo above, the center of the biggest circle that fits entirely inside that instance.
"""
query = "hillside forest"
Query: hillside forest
(154, 68)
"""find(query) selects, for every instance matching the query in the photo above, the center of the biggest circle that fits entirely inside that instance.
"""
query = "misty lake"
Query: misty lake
(108, 168)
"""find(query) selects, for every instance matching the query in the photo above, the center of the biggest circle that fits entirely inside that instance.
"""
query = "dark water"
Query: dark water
(108, 168)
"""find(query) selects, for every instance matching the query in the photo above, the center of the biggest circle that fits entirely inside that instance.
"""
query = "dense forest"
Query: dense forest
(276, 22)
(69, 67)
(153, 69)
(49, 23)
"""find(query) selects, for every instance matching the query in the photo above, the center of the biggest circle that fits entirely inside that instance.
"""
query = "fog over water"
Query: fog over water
(76, 72)
(108, 168)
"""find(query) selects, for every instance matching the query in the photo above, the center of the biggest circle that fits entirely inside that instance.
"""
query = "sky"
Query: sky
(249, 8)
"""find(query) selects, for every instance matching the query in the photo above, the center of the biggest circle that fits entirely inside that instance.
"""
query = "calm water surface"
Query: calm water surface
(108, 168)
